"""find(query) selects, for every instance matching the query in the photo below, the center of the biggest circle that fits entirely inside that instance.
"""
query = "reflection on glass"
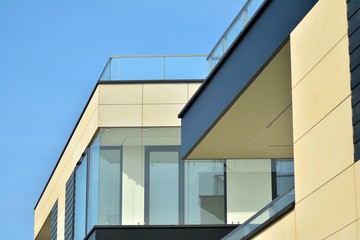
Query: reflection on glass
(204, 192)
(109, 185)
(80, 200)
(163, 185)
(156, 67)
(233, 31)
(185, 68)
(284, 175)
(265, 216)
(249, 187)
(93, 188)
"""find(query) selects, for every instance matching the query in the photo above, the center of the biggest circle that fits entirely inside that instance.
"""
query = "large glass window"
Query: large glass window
(134, 176)
(110, 185)
(80, 199)
(204, 192)
(249, 187)
(93, 184)
(283, 172)
(163, 180)
(254, 183)
(104, 195)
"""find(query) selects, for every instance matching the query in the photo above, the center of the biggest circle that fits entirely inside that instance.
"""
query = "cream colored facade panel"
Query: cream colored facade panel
(162, 115)
(324, 151)
(316, 35)
(357, 185)
(322, 89)
(328, 209)
(67, 163)
(120, 115)
(192, 88)
(347, 233)
(120, 94)
(283, 229)
(61, 216)
(165, 93)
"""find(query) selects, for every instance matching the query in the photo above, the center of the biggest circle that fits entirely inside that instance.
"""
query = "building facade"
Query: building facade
(266, 148)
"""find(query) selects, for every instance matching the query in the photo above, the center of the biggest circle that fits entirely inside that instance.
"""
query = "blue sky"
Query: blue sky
(51, 55)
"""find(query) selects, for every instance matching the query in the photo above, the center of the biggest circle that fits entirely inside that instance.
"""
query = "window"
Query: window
(163, 185)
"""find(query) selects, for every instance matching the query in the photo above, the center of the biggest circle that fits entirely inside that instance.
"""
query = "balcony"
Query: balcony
(156, 67)
(247, 12)
(264, 217)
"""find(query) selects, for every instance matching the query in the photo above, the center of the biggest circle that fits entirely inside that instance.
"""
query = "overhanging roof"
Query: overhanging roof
(259, 123)
(218, 101)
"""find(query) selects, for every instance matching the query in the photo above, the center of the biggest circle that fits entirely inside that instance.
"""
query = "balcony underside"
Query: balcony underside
(243, 109)
(259, 123)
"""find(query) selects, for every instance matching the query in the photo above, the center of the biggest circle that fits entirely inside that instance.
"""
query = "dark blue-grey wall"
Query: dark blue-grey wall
(53, 221)
(354, 51)
(69, 208)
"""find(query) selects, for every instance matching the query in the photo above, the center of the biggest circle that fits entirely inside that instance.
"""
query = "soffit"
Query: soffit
(259, 123)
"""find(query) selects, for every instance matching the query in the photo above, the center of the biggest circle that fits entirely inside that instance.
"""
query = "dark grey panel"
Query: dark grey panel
(69, 208)
(254, 48)
(354, 51)
(354, 22)
(180, 232)
(355, 77)
(354, 41)
(357, 150)
(53, 222)
(355, 58)
(353, 7)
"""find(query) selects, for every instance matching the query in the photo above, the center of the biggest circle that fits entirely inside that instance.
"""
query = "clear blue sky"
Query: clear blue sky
(51, 55)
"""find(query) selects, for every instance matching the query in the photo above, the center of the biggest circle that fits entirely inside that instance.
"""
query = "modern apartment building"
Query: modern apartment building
(266, 145)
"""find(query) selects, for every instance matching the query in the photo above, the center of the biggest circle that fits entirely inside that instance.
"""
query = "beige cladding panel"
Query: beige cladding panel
(61, 216)
(81, 137)
(316, 35)
(120, 94)
(165, 93)
(357, 184)
(283, 229)
(347, 233)
(328, 209)
(322, 89)
(120, 115)
(324, 151)
(162, 115)
(192, 88)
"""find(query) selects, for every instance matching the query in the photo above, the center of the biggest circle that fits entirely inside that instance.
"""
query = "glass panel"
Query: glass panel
(146, 68)
(266, 215)
(163, 192)
(284, 175)
(249, 188)
(93, 192)
(109, 185)
(185, 68)
(80, 200)
(234, 30)
(204, 192)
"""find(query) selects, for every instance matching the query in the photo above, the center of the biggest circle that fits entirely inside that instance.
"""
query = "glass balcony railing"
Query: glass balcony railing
(156, 67)
(232, 32)
(264, 217)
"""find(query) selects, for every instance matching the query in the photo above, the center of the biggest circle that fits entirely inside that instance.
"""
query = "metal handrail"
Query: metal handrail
(229, 27)
(110, 66)
(248, 222)
(158, 55)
